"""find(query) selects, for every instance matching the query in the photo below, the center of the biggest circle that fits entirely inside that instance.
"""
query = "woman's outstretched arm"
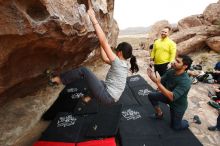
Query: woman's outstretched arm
(104, 56)
(101, 35)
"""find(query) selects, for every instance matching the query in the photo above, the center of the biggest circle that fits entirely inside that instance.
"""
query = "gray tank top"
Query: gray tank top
(116, 78)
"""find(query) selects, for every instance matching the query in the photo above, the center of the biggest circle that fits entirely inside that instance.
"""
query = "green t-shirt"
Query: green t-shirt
(180, 86)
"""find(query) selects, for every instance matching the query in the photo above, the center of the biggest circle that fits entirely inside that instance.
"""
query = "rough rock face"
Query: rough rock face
(214, 43)
(212, 13)
(191, 45)
(40, 34)
(192, 39)
(192, 21)
(199, 31)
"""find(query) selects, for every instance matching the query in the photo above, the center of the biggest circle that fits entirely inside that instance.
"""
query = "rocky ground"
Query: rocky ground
(197, 102)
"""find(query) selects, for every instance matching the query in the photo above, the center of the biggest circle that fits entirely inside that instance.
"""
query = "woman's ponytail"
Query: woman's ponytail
(134, 67)
(126, 49)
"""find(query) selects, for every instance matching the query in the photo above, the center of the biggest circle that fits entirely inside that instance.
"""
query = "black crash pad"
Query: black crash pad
(181, 138)
(67, 127)
(135, 80)
(138, 128)
(83, 108)
(134, 122)
(64, 128)
(141, 94)
(141, 141)
(106, 122)
(127, 97)
(68, 99)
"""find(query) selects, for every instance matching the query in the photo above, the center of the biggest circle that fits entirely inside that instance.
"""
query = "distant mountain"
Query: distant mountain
(134, 30)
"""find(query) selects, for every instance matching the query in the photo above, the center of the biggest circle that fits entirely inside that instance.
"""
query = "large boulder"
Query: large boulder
(40, 34)
(186, 34)
(191, 39)
(212, 13)
(191, 45)
(192, 21)
(214, 43)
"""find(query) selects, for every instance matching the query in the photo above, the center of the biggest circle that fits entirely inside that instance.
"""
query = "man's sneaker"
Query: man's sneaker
(214, 104)
(196, 119)
(156, 116)
(213, 128)
(194, 80)
(214, 97)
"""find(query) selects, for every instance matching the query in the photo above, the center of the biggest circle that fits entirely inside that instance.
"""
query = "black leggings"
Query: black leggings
(96, 87)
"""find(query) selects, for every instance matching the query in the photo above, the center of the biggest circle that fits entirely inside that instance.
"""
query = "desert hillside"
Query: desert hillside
(134, 31)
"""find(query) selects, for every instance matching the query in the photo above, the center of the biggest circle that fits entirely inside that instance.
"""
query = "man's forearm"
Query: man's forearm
(165, 91)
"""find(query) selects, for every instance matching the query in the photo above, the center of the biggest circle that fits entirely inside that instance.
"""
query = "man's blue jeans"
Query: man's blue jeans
(218, 121)
(176, 120)
(175, 117)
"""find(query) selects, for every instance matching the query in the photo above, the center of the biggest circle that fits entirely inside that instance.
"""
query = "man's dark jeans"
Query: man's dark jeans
(161, 68)
(218, 121)
(175, 117)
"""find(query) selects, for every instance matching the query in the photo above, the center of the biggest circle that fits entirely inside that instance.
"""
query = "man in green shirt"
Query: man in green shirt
(164, 51)
(173, 88)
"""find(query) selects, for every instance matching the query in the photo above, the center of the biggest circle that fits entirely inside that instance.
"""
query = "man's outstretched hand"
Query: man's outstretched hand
(155, 77)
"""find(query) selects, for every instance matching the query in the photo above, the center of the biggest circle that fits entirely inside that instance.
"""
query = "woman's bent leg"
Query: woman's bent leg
(96, 87)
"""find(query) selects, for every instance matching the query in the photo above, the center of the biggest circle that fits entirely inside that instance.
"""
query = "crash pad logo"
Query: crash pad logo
(143, 92)
(66, 121)
(131, 114)
(71, 90)
(134, 79)
(77, 95)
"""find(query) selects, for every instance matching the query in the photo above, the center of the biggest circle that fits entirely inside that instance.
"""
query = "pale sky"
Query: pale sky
(134, 13)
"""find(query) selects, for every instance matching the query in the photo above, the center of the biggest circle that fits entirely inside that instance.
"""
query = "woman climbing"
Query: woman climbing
(111, 89)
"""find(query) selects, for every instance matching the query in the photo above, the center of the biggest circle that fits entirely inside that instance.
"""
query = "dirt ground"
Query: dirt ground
(197, 98)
